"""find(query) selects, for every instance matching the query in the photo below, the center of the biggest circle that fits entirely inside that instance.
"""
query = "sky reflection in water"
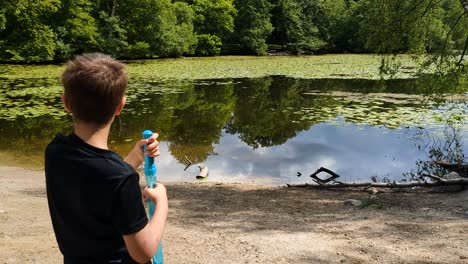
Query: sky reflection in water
(355, 152)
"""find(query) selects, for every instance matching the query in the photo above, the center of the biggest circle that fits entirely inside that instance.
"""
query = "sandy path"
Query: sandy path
(233, 223)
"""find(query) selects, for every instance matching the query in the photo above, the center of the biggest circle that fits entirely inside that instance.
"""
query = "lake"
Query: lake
(261, 129)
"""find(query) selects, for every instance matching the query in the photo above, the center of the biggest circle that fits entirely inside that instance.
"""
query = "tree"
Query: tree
(419, 27)
(252, 26)
(179, 38)
(76, 29)
(286, 20)
(214, 17)
(295, 25)
(337, 23)
(25, 35)
(213, 21)
(113, 37)
(165, 28)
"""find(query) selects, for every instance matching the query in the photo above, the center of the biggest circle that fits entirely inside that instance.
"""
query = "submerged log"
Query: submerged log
(332, 183)
(337, 184)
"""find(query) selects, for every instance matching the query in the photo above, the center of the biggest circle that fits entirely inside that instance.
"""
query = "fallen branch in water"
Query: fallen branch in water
(189, 163)
(331, 183)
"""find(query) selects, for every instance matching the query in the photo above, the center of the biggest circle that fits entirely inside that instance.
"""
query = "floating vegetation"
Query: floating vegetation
(30, 91)
(29, 99)
(343, 66)
(379, 109)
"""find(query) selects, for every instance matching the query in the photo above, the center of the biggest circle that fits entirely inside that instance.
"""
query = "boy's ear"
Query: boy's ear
(65, 103)
(121, 106)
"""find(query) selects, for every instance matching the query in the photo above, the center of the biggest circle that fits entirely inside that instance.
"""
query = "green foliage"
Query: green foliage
(214, 17)
(286, 20)
(26, 35)
(113, 39)
(338, 24)
(295, 26)
(213, 21)
(138, 50)
(178, 39)
(36, 31)
(253, 26)
(208, 45)
(415, 26)
(165, 27)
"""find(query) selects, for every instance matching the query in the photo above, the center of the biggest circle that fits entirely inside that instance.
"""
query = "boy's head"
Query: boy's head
(94, 88)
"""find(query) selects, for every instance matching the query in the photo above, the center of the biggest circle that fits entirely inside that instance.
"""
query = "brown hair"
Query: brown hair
(94, 86)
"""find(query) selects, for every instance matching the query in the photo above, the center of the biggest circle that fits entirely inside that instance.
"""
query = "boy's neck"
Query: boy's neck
(93, 135)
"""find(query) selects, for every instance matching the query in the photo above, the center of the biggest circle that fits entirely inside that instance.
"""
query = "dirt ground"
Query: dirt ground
(234, 223)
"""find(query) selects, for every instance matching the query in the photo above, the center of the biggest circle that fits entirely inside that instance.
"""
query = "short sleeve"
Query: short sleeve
(128, 212)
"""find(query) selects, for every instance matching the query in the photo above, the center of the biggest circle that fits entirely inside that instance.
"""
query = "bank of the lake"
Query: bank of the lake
(215, 223)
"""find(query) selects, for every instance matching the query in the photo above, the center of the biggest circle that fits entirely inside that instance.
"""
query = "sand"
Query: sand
(238, 223)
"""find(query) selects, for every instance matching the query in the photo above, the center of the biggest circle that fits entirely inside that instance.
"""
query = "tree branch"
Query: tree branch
(113, 8)
(318, 180)
(459, 63)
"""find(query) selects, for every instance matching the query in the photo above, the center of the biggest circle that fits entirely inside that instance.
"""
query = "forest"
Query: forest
(55, 30)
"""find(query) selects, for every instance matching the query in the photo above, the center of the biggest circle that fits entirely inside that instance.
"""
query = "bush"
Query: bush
(208, 45)
(138, 50)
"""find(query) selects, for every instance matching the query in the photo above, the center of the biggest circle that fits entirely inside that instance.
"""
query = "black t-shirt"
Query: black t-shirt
(94, 198)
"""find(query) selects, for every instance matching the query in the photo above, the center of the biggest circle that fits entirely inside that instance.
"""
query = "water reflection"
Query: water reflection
(448, 146)
(262, 130)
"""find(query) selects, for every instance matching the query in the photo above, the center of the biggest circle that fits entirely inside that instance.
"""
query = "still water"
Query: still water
(261, 131)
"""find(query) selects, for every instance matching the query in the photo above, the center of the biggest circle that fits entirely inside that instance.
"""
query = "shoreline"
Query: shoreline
(241, 223)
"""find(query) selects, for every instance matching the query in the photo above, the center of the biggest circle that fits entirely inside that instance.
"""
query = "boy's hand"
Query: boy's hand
(157, 195)
(136, 156)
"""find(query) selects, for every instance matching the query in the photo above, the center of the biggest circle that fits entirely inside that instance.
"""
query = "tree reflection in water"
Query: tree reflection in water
(444, 146)
(193, 116)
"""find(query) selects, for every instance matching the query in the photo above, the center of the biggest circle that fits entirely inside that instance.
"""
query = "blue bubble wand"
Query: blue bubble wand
(150, 175)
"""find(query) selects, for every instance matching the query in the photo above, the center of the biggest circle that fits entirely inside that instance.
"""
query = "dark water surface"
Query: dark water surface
(254, 130)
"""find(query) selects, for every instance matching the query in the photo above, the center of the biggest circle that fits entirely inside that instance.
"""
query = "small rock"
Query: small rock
(2, 212)
(424, 209)
(353, 202)
(463, 257)
(372, 190)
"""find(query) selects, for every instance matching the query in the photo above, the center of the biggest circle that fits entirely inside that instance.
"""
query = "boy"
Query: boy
(94, 196)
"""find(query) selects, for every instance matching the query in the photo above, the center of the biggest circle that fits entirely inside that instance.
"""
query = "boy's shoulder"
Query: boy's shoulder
(64, 145)
(71, 153)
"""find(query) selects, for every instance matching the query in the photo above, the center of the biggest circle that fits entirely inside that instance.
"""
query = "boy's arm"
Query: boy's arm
(143, 244)
(136, 155)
